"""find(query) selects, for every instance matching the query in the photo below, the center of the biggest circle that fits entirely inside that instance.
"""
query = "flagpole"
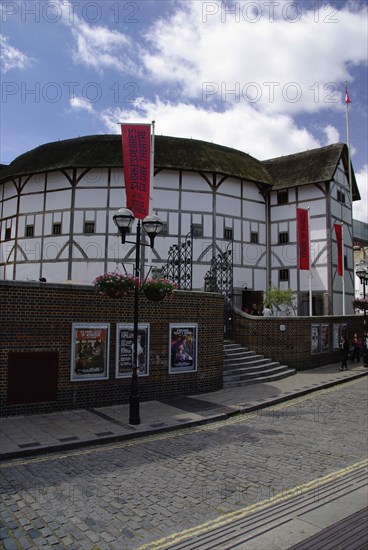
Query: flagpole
(347, 101)
(310, 268)
(152, 161)
(343, 268)
(152, 165)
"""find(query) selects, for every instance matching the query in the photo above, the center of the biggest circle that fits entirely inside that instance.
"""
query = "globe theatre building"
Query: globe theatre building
(58, 201)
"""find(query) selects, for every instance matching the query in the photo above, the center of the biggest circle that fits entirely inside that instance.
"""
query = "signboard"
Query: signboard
(125, 350)
(315, 336)
(183, 348)
(90, 351)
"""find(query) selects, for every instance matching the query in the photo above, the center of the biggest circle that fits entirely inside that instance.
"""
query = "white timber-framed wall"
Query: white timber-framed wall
(45, 219)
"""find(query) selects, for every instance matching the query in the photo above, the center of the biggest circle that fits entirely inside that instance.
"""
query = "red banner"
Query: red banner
(136, 159)
(338, 231)
(303, 238)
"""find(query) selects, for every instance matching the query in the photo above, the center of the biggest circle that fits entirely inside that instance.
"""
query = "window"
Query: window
(56, 229)
(228, 234)
(282, 197)
(284, 274)
(197, 230)
(254, 237)
(7, 234)
(164, 230)
(345, 262)
(341, 196)
(283, 237)
(29, 230)
(89, 227)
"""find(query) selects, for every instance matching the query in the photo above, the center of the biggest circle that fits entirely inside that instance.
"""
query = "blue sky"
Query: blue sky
(264, 77)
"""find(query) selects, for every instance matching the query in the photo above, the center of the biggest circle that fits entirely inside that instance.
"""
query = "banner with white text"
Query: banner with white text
(136, 140)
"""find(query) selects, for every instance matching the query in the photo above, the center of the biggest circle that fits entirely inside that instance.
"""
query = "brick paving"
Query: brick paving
(134, 491)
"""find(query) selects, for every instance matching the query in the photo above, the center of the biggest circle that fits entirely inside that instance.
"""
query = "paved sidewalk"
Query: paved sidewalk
(34, 434)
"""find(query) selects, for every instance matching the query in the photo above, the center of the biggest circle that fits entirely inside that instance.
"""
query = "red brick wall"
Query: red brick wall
(292, 346)
(39, 316)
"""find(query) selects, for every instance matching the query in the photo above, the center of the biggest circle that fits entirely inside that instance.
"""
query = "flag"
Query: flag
(347, 98)
(338, 231)
(136, 141)
(303, 238)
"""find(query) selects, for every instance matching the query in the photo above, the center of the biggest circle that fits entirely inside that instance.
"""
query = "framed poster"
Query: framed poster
(183, 347)
(325, 338)
(90, 351)
(125, 350)
(315, 337)
(336, 336)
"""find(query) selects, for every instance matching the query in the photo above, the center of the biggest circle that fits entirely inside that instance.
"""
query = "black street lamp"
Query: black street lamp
(124, 219)
(362, 273)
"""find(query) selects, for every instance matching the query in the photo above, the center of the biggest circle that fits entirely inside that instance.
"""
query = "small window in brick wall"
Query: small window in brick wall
(228, 234)
(56, 229)
(164, 230)
(29, 230)
(283, 237)
(89, 227)
(197, 230)
(282, 197)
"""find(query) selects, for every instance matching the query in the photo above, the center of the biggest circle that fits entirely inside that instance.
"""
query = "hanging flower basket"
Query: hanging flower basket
(157, 289)
(115, 285)
(361, 303)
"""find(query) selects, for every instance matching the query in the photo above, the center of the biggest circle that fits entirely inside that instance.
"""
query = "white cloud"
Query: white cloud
(99, 47)
(80, 103)
(11, 57)
(239, 126)
(332, 134)
(360, 208)
(96, 46)
(287, 67)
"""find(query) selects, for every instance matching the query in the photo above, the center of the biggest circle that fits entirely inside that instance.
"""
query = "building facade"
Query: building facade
(58, 201)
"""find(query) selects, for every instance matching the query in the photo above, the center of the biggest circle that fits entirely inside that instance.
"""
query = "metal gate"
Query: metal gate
(179, 266)
(219, 278)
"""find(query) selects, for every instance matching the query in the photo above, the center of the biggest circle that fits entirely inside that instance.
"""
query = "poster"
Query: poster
(125, 350)
(90, 351)
(325, 338)
(315, 335)
(336, 336)
(183, 348)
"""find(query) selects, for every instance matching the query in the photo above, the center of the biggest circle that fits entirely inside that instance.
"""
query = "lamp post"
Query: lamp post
(124, 219)
(362, 273)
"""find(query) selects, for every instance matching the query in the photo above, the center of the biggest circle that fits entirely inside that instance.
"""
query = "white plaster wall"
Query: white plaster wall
(58, 199)
(193, 182)
(9, 190)
(35, 184)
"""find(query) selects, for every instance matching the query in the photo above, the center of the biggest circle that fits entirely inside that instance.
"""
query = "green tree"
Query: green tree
(278, 298)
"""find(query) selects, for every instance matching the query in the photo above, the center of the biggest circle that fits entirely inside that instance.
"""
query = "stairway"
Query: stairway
(243, 367)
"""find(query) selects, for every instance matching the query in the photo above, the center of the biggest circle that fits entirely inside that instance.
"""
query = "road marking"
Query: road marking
(222, 521)
(237, 418)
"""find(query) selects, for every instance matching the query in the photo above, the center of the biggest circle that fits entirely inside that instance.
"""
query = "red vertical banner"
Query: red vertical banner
(338, 231)
(136, 140)
(302, 216)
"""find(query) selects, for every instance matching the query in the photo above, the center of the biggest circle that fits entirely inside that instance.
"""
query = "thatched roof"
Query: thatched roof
(170, 152)
(314, 166)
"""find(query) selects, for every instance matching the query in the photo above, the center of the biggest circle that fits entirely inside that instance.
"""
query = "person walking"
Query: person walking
(344, 346)
(357, 344)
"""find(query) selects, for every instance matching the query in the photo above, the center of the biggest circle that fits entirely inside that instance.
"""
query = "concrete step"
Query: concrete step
(243, 366)
(266, 378)
(249, 369)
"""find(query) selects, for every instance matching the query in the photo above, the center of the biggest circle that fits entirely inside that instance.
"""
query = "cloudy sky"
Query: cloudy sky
(264, 77)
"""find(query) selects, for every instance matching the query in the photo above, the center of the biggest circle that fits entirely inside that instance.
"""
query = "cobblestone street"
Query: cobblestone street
(127, 494)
